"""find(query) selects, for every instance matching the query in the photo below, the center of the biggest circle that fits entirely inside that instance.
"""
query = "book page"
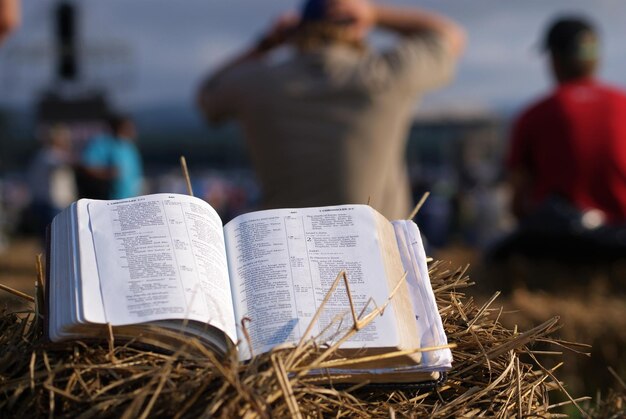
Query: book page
(425, 308)
(283, 262)
(162, 257)
(91, 308)
(59, 287)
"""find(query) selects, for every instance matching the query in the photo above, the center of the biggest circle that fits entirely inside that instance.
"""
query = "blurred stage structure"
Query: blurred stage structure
(75, 96)
(76, 93)
(69, 101)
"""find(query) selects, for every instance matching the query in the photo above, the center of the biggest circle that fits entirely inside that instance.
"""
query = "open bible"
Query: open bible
(166, 261)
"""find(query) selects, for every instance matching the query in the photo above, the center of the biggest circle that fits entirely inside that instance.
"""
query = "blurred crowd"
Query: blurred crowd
(326, 119)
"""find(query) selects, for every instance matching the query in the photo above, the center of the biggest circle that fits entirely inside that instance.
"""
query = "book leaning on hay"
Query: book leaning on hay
(166, 262)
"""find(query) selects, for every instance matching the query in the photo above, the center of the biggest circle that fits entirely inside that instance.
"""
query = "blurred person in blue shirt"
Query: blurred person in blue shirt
(111, 163)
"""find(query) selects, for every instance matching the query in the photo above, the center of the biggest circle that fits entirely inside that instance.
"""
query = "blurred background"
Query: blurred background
(147, 57)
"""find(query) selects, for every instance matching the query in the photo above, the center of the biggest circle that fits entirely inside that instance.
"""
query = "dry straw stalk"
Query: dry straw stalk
(495, 373)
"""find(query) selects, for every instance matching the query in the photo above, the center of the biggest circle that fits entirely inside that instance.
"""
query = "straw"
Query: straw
(494, 373)
(183, 165)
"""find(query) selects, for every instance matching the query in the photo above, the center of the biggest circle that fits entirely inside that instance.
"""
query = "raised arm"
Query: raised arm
(9, 17)
(276, 36)
(400, 19)
(408, 21)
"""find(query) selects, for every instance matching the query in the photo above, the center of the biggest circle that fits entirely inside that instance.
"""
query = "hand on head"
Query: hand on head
(285, 23)
(280, 31)
(359, 14)
(10, 16)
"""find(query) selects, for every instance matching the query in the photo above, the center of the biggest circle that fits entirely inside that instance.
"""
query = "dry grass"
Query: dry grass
(593, 317)
(495, 374)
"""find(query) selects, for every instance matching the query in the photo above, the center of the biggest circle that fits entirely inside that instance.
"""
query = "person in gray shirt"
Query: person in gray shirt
(327, 122)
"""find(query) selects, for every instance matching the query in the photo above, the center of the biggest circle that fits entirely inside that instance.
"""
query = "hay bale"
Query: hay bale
(495, 373)
(613, 406)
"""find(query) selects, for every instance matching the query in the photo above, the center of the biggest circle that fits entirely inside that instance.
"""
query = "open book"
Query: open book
(166, 260)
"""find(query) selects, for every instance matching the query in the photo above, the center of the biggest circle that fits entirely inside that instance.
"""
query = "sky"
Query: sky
(155, 52)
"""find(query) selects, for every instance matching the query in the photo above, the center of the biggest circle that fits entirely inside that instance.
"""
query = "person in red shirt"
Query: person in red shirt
(571, 145)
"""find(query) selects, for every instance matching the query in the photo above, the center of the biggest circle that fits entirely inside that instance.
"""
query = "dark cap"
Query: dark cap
(314, 10)
(572, 37)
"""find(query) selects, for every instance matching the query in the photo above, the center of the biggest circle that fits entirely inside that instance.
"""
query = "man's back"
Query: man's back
(573, 143)
(330, 126)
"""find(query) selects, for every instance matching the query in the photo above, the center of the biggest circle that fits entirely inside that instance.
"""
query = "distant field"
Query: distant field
(17, 270)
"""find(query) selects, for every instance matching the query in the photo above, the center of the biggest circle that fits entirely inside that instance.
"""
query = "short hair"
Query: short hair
(313, 35)
(573, 42)
(314, 10)
(58, 135)
(572, 36)
(117, 120)
(317, 30)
